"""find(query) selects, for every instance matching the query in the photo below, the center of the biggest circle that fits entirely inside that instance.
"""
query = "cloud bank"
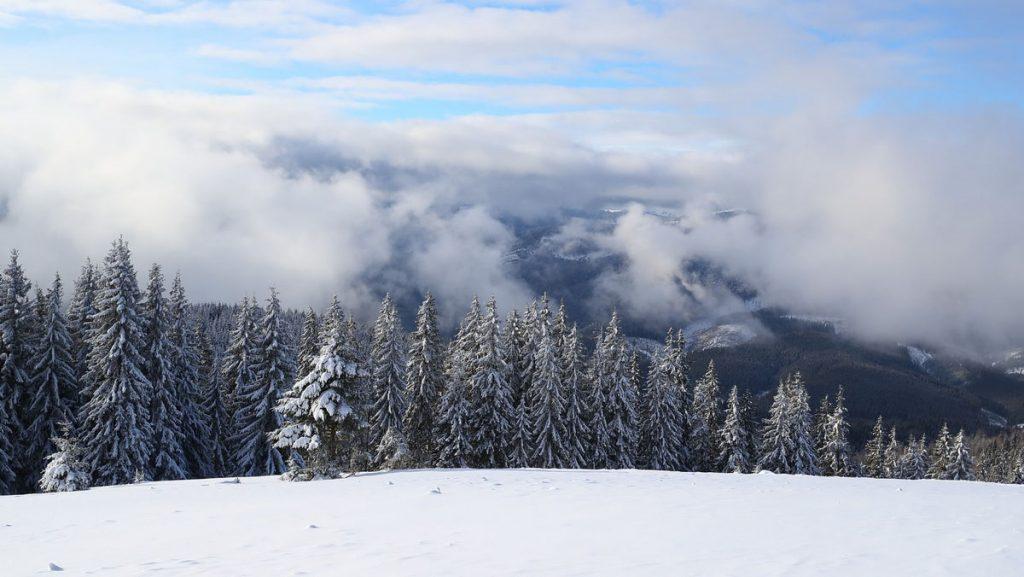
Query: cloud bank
(868, 179)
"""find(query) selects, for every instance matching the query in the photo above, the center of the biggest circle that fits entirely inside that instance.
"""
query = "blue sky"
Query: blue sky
(910, 55)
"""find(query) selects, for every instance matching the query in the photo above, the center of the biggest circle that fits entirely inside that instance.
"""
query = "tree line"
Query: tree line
(127, 386)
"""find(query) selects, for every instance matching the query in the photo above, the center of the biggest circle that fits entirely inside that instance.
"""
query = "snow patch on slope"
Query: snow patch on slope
(462, 523)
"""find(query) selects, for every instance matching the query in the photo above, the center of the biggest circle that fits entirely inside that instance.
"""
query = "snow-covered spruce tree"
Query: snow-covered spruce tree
(185, 358)
(167, 460)
(423, 381)
(83, 306)
(15, 350)
(959, 465)
(1018, 469)
(941, 450)
(776, 441)
(619, 398)
(309, 343)
(891, 456)
(734, 438)
(454, 443)
(661, 430)
(387, 379)
(238, 371)
(805, 460)
(704, 422)
(66, 469)
(834, 456)
(491, 411)
(752, 424)
(577, 432)
(210, 405)
(333, 321)
(520, 439)
(117, 432)
(787, 444)
(546, 404)
(914, 461)
(452, 439)
(255, 416)
(53, 383)
(821, 420)
(874, 452)
(7, 444)
(596, 401)
(322, 412)
(527, 346)
(393, 451)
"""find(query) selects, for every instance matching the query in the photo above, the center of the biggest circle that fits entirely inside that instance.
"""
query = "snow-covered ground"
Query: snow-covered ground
(554, 523)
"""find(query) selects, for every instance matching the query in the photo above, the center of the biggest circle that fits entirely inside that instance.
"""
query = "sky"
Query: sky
(874, 148)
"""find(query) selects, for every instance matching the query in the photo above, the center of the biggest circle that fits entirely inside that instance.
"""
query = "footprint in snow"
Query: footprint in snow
(55, 567)
(312, 526)
(436, 491)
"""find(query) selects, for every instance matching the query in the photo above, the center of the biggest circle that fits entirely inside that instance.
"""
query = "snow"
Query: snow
(723, 336)
(995, 419)
(521, 522)
(918, 356)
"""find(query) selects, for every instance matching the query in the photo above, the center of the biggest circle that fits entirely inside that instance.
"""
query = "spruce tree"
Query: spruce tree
(776, 445)
(619, 398)
(891, 457)
(388, 378)
(54, 389)
(959, 465)
(81, 309)
(874, 452)
(185, 358)
(528, 341)
(211, 404)
(661, 430)
(821, 421)
(7, 443)
(491, 411)
(66, 469)
(546, 403)
(322, 412)
(734, 438)
(423, 378)
(1018, 469)
(520, 437)
(805, 460)
(256, 416)
(452, 439)
(596, 407)
(238, 370)
(787, 444)
(454, 443)
(168, 454)
(835, 458)
(577, 432)
(309, 343)
(15, 351)
(704, 422)
(393, 451)
(117, 432)
(913, 463)
(940, 454)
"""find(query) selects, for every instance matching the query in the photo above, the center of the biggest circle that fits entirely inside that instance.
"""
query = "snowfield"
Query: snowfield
(521, 522)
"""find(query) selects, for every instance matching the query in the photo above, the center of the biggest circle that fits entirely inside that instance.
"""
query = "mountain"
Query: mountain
(915, 387)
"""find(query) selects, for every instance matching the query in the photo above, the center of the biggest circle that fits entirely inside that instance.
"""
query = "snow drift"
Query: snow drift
(521, 522)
